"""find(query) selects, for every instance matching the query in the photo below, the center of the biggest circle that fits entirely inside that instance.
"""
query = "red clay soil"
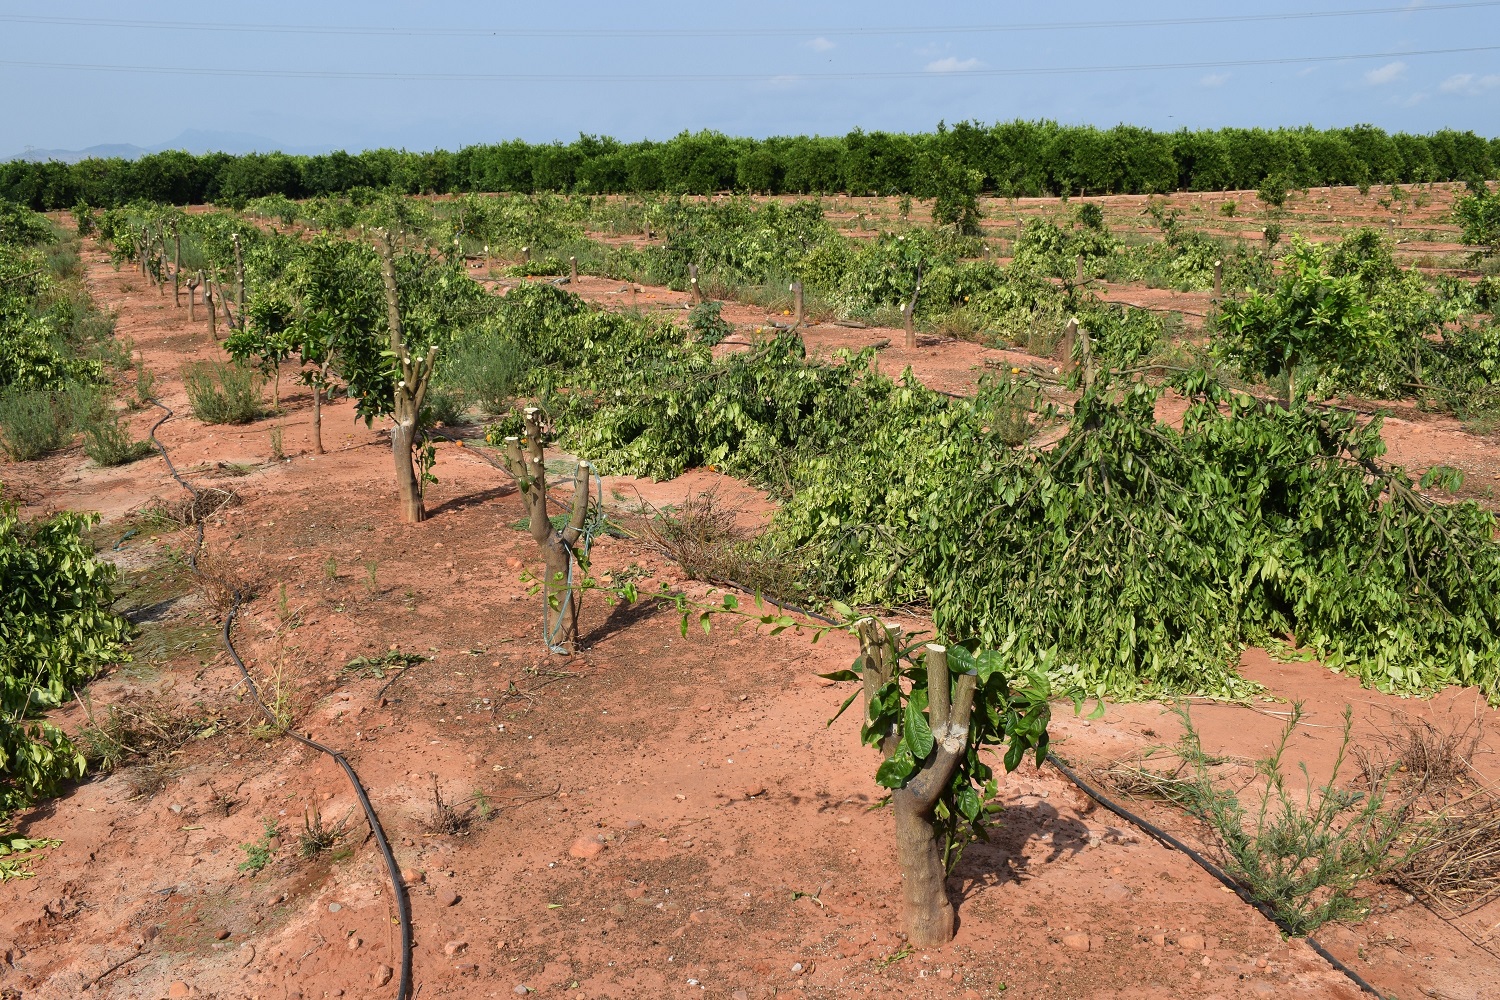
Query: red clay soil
(657, 816)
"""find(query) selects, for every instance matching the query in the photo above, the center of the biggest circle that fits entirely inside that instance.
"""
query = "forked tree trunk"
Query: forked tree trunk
(411, 388)
(927, 911)
(526, 462)
(192, 287)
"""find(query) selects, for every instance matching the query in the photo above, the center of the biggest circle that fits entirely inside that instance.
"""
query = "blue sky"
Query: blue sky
(759, 69)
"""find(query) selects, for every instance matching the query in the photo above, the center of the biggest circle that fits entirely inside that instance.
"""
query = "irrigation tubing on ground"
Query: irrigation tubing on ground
(1165, 838)
(403, 905)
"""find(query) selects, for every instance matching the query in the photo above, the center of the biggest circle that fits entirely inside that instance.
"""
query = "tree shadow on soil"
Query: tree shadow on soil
(472, 499)
(1003, 859)
(621, 617)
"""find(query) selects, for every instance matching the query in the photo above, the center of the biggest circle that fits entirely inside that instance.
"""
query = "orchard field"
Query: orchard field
(1187, 490)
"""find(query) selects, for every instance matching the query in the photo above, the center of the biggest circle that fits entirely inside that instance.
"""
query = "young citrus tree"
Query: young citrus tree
(1478, 213)
(1311, 318)
(937, 714)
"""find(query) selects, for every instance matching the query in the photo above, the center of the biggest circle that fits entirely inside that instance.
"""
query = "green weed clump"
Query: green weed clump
(31, 423)
(222, 393)
(1304, 855)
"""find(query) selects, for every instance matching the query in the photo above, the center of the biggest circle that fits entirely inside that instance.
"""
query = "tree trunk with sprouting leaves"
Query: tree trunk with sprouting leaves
(411, 388)
(927, 911)
(526, 461)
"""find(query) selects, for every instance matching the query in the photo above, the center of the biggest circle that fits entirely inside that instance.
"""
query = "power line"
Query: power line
(577, 33)
(764, 77)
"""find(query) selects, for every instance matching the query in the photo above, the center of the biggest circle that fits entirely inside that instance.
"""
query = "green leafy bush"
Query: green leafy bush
(707, 325)
(56, 630)
(1478, 217)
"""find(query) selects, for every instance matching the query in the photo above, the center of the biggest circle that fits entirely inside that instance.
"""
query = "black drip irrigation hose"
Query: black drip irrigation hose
(403, 905)
(1146, 826)
(1163, 837)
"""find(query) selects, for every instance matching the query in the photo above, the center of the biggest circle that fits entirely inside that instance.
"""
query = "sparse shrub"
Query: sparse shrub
(224, 393)
(486, 368)
(1303, 856)
(31, 423)
(443, 406)
(707, 324)
(108, 443)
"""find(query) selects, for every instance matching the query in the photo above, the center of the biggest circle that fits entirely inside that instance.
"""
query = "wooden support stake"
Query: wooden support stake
(176, 268)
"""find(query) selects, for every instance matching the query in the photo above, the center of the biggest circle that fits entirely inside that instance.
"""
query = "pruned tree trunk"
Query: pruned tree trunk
(572, 270)
(177, 269)
(239, 279)
(1218, 278)
(145, 248)
(927, 911)
(210, 306)
(909, 313)
(1078, 268)
(411, 388)
(1065, 346)
(797, 303)
(192, 287)
(159, 252)
(525, 460)
(693, 285)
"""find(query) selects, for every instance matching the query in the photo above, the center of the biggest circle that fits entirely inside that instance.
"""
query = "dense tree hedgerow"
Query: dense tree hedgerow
(1010, 158)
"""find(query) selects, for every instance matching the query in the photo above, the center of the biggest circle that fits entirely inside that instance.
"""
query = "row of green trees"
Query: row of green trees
(1011, 158)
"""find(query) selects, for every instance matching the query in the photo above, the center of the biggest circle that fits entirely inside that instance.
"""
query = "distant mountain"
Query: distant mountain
(194, 140)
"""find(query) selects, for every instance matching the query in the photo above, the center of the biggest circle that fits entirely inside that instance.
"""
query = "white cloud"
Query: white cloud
(953, 64)
(1469, 84)
(819, 44)
(1415, 99)
(1214, 80)
(1389, 73)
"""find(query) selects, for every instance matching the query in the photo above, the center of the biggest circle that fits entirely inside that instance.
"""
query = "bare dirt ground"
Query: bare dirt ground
(657, 816)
